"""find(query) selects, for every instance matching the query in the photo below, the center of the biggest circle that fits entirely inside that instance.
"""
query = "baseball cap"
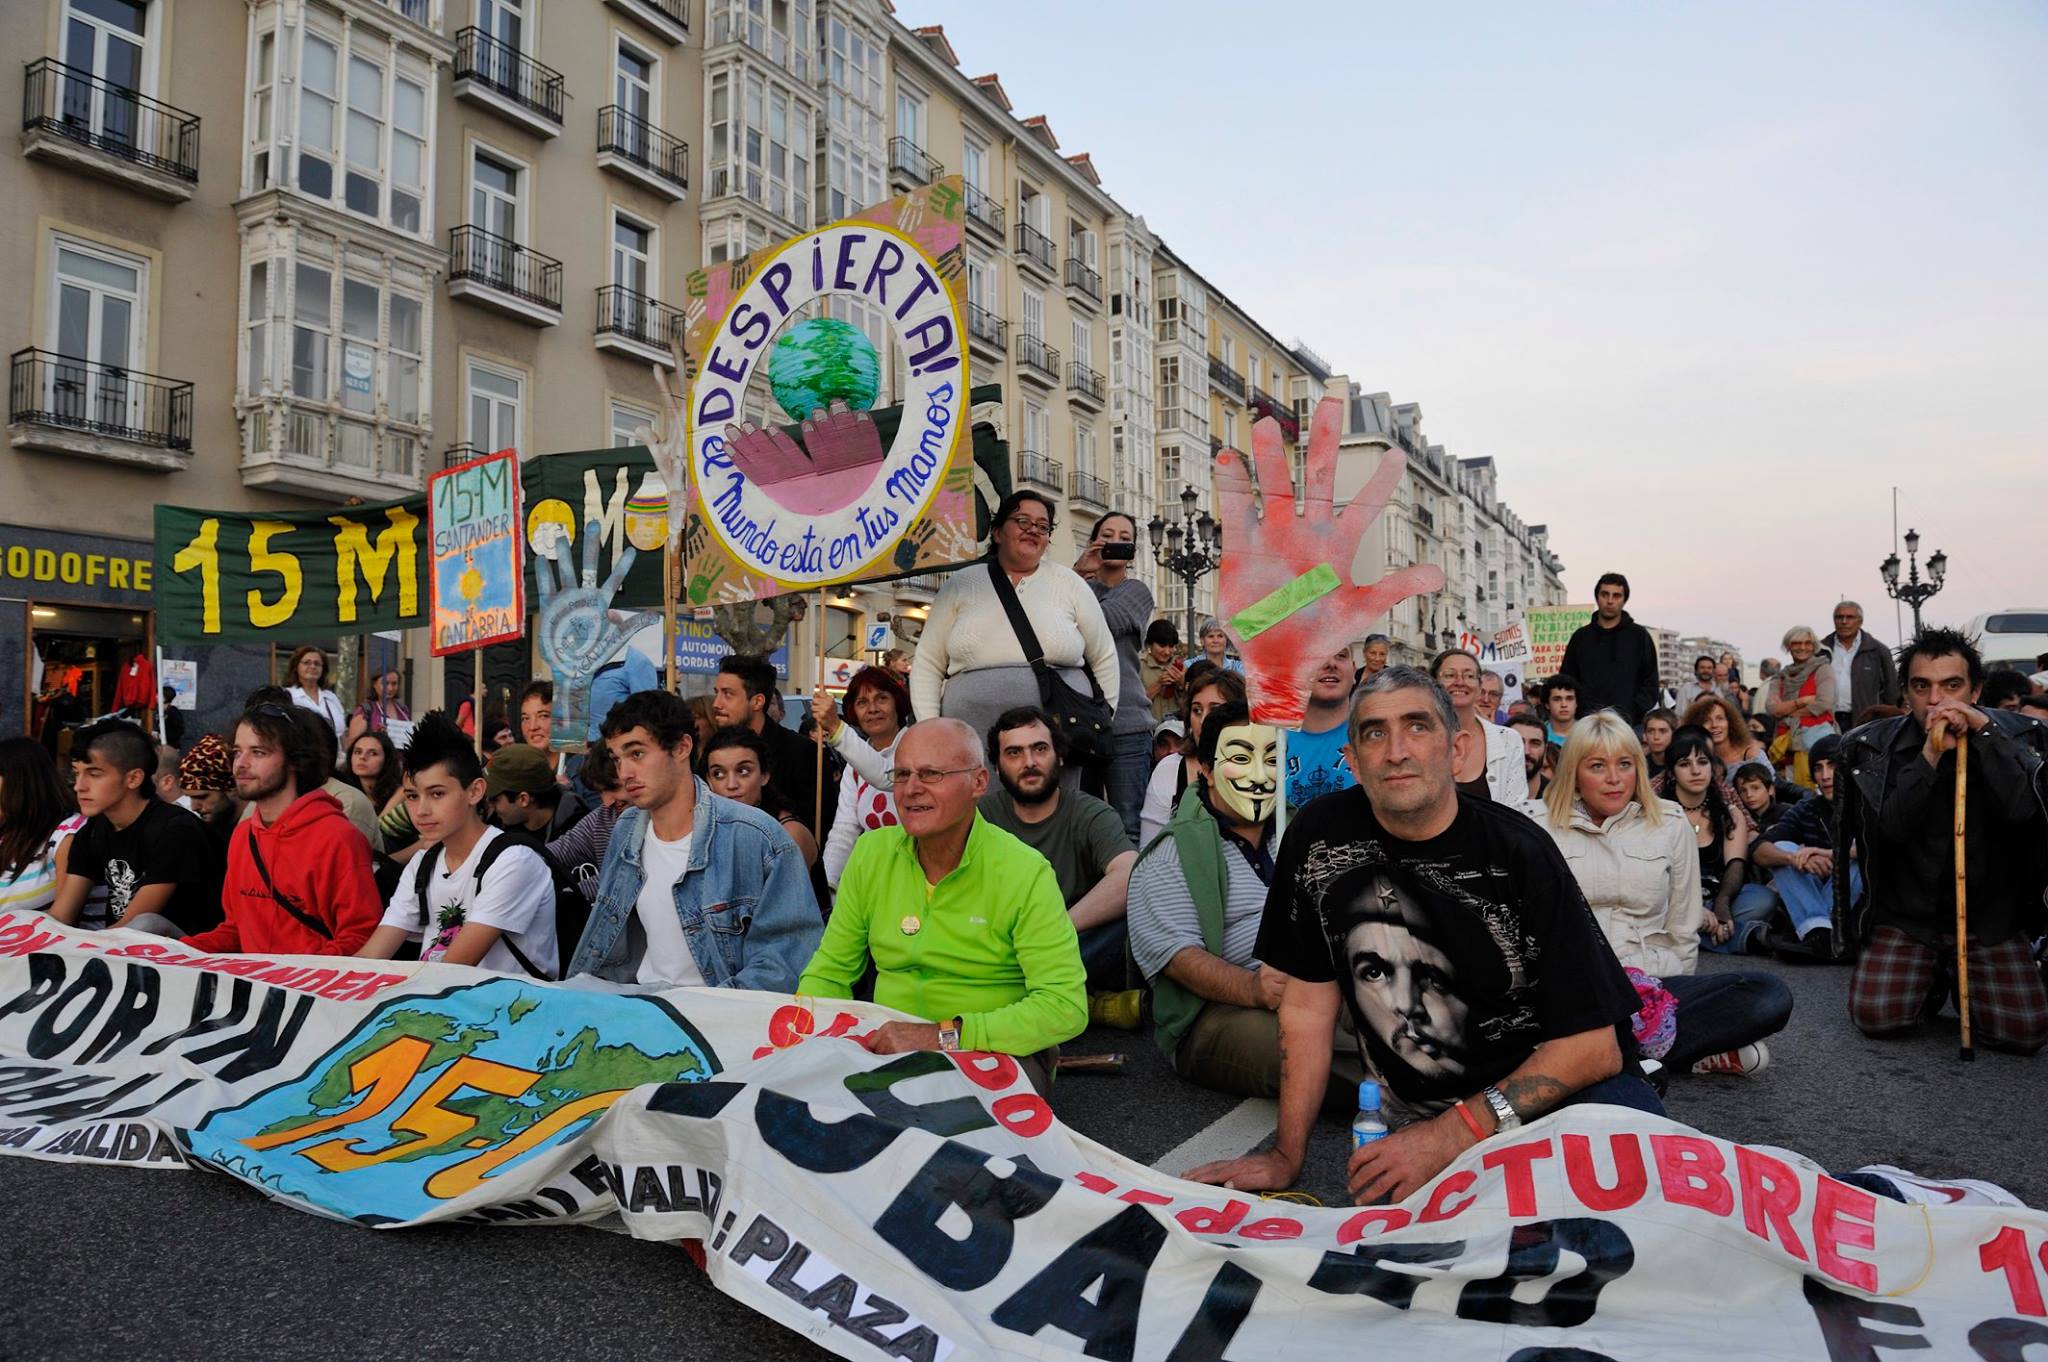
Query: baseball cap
(1172, 726)
(517, 768)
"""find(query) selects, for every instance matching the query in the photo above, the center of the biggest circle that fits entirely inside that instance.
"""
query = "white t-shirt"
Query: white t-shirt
(668, 959)
(326, 704)
(518, 899)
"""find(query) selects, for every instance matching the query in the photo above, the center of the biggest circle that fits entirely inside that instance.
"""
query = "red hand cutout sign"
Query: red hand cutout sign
(1286, 592)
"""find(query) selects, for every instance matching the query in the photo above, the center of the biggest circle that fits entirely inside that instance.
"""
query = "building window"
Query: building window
(1169, 391)
(981, 285)
(630, 425)
(312, 321)
(632, 255)
(1035, 209)
(107, 38)
(1169, 468)
(495, 401)
(502, 20)
(1081, 244)
(1033, 322)
(1084, 344)
(494, 197)
(96, 311)
(761, 140)
(1037, 429)
(1084, 450)
(364, 123)
(910, 114)
(1229, 347)
(974, 164)
(1229, 428)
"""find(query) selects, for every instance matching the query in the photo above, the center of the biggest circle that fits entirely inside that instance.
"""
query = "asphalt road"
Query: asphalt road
(119, 1264)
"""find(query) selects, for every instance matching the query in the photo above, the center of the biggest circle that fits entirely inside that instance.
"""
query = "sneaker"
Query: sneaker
(1948, 1192)
(1745, 1060)
(1116, 1009)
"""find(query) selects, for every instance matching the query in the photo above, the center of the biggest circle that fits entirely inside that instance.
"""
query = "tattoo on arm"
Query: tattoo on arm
(1533, 1094)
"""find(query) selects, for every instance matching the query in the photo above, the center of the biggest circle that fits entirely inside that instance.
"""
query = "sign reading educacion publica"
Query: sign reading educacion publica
(827, 501)
(931, 1206)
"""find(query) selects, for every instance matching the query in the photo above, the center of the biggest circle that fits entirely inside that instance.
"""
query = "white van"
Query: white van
(2012, 638)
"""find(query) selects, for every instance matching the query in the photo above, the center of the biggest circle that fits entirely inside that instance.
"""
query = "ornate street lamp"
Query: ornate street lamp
(1913, 591)
(1190, 549)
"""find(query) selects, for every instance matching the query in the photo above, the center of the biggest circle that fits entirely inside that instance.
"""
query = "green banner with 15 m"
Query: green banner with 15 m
(239, 577)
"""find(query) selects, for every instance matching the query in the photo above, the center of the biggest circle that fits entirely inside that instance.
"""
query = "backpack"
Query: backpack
(572, 909)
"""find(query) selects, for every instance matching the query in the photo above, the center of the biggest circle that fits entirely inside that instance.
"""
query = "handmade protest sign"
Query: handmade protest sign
(1550, 629)
(240, 576)
(1287, 593)
(830, 499)
(476, 532)
(930, 1205)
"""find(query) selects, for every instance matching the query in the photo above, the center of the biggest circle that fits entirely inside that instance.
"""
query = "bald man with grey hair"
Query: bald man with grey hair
(965, 924)
(1863, 667)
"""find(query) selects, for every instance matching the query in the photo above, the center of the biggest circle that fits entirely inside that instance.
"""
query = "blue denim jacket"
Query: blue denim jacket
(745, 902)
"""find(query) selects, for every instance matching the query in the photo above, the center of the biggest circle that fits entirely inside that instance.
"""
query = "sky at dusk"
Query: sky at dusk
(1706, 280)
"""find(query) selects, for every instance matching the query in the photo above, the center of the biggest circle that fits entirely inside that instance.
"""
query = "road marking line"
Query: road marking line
(1229, 1135)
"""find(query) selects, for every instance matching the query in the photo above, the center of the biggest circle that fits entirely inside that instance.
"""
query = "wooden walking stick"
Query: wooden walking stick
(1962, 894)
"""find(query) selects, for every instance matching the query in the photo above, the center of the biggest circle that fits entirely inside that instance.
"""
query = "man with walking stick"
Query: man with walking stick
(1947, 809)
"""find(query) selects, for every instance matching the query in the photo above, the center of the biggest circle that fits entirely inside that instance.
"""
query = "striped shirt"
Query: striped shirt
(1161, 916)
(35, 884)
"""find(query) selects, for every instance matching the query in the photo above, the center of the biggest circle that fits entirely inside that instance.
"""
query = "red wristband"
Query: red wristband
(1470, 1124)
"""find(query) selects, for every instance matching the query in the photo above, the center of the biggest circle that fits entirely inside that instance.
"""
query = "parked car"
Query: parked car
(2013, 637)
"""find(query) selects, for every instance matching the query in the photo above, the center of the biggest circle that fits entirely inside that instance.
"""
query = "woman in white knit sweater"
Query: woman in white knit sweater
(969, 664)
(1633, 857)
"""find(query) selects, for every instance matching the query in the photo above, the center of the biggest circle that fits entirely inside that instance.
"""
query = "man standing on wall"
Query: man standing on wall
(1613, 657)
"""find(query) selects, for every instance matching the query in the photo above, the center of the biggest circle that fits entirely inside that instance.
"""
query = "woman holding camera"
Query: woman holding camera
(1127, 606)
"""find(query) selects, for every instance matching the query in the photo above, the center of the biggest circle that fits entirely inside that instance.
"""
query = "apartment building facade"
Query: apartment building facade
(294, 253)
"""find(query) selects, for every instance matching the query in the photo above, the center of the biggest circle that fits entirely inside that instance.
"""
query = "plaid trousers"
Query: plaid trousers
(1900, 982)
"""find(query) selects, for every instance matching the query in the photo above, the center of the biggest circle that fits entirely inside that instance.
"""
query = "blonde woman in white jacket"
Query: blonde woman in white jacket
(1635, 860)
(1493, 761)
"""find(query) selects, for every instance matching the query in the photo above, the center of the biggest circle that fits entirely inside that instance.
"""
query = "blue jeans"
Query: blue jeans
(1752, 909)
(1130, 768)
(1622, 1090)
(1810, 900)
(1719, 1012)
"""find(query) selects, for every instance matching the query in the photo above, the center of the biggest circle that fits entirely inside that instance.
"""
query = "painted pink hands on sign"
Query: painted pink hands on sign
(1263, 554)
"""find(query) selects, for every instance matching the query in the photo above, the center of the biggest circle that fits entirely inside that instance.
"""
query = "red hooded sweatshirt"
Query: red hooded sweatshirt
(319, 863)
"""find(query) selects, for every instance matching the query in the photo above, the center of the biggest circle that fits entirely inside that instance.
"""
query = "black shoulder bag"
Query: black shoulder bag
(1086, 721)
(306, 919)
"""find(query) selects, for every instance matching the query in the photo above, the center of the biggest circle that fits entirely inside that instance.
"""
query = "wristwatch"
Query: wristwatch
(949, 1034)
(1504, 1116)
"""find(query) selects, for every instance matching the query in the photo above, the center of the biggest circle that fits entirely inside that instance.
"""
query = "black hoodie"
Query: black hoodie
(1616, 668)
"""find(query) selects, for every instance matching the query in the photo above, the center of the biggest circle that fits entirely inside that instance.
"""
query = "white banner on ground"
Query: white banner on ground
(930, 1206)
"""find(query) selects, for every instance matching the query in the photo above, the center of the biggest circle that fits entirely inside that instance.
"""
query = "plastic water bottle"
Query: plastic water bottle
(1368, 1125)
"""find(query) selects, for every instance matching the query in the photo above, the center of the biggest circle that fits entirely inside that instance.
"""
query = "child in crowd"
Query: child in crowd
(152, 858)
(484, 904)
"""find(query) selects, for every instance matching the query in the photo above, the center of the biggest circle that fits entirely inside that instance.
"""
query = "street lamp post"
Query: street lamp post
(1913, 591)
(1190, 549)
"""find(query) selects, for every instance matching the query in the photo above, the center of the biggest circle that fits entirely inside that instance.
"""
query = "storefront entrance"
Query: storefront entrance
(85, 662)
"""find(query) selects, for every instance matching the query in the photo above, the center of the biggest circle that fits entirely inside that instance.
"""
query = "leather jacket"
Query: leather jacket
(1863, 776)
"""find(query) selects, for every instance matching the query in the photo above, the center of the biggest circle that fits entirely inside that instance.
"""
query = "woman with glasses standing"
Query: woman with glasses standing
(1127, 607)
(970, 664)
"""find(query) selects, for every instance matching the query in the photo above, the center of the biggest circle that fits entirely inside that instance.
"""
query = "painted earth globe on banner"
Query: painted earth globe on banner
(821, 359)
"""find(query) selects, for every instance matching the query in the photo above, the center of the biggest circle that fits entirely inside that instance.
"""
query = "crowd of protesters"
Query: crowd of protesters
(1056, 809)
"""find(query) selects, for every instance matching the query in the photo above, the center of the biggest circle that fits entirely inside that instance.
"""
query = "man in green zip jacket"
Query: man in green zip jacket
(964, 922)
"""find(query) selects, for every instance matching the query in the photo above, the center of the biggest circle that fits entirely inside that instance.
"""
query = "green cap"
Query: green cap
(516, 767)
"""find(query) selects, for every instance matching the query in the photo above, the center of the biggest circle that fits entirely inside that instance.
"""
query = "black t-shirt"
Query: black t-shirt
(1457, 956)
(164, 845)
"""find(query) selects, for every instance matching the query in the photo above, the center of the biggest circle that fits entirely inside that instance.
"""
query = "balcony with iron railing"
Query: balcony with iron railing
(909, 165)
(1265, 404)
(1035, 249)
(630, 146)
(1226, 378)
(73, 116)
(1086, 384)
(454, 456)
(667, 19)
(1036, 360)
(984, 212)
(318, 448)
(1085, 282)
(504, 276)
(1036, 468)
(499, 76)
(62, 404)
(986, 329)
(635, 324)
(1090, 490)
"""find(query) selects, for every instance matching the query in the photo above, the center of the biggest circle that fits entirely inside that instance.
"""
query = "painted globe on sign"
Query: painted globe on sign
(821, 359)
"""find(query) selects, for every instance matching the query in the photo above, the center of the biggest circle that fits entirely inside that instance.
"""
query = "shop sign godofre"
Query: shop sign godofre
(809, 520)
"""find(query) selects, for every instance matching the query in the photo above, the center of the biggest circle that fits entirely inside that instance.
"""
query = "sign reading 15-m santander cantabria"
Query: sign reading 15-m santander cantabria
(824, 500)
